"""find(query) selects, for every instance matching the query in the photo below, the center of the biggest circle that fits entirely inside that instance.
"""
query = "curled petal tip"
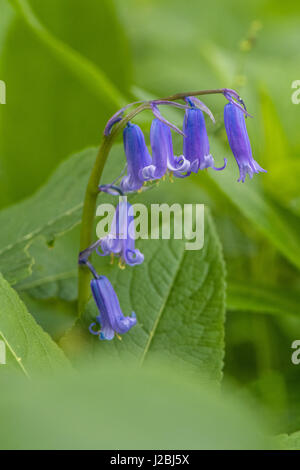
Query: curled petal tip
(111, 189)
(92, 331)
(148, 173)
(222, 167)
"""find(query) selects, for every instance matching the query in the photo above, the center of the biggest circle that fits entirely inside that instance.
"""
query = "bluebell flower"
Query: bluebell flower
(239, 142)
(138, 157)
(163, 158)
(195, 143)
(110, 318)
(121, 240)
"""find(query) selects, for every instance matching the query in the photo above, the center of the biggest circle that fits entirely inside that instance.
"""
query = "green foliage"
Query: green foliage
(29, 348)
(53, 269)
(199, 303)
(179, 299)
(289, 442)
(30, 228)
(61, 92)
(120, 409)
(68, 66)
(261, 211)
(263, 299)
(53, 210)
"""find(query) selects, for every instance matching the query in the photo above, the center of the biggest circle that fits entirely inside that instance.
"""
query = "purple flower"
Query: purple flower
(121, 240)
(137, 156)
(239, 142)
(163, 158)
(110, 318)
(195, 143)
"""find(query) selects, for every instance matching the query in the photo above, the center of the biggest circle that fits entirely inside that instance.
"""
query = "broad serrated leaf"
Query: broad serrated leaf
(179, 300)
(28, 348)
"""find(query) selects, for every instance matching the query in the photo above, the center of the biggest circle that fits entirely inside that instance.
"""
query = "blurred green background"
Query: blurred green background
(141, 48)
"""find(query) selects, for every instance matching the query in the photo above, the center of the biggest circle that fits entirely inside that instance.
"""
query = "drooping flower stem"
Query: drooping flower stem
(89, 205)
(92, 190)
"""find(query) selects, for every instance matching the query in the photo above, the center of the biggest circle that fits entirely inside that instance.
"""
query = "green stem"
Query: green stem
(88, 214)
(92, 191)
(181, 96)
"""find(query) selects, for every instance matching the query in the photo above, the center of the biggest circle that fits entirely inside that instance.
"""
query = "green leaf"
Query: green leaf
(53, 210)
(50, 107)
(54, 273)
(138, 409)
(90, 75)
(178, 297)
(54, 315)
(262, 299)
(7, 14)
(28, 347)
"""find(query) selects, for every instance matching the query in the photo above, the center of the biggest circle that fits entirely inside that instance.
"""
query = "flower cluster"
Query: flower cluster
(196, 155)
(142, 167)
